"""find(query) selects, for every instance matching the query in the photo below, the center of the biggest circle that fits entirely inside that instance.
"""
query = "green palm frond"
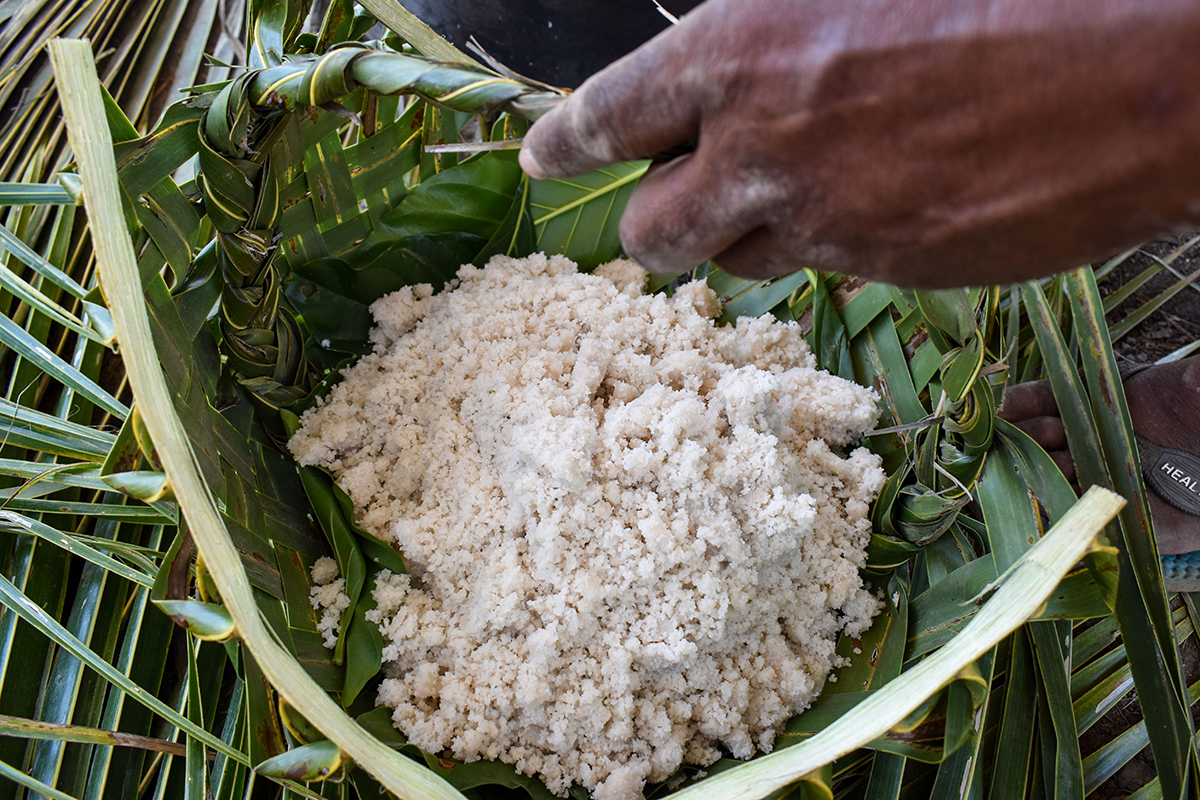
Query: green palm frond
(155, 541)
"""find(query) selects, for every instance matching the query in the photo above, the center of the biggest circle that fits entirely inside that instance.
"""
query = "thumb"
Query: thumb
(1027, 401)
(691, 209)
(633, 108)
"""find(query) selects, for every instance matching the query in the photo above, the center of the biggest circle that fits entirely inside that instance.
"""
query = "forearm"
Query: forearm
(925, 143)
(1034, 145)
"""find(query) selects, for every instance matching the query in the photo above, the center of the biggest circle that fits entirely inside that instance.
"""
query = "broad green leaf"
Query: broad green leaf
(874, 658)
(1069, 391)
(578, 217)
(351, 565)
(330, 186)
(515, 236)
(762, 298)
(486, 773)
(473, 198)
(295, 620)
(1012, 514)
(333, 297)
(326, 490)
(865, 304)
(378, 722)
(943, 556)
(1049, 488)
(879, 362)
(364, 646)
(726, 285)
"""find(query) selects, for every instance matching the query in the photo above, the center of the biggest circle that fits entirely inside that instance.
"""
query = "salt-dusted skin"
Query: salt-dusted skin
(921, 142)
(631, 535)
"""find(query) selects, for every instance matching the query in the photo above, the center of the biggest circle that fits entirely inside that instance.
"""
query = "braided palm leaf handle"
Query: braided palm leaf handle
(250, 152)
(305, 82)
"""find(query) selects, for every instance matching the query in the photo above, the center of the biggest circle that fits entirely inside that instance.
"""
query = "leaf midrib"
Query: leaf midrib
(592, 195)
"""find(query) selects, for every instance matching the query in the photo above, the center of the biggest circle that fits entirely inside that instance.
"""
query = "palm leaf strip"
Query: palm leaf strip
(79, 88)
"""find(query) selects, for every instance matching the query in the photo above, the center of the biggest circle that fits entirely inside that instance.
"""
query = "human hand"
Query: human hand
(1164, 406)
(922, 142)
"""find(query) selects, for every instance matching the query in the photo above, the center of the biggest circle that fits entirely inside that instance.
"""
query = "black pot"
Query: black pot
(560, 42)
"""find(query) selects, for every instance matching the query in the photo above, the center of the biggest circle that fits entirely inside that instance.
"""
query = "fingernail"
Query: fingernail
(532, 168)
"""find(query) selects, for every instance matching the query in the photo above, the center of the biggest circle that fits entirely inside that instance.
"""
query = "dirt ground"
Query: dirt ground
(1175, 325)
(1127, 713)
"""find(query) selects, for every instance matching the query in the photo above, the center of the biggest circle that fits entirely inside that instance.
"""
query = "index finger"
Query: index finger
(639, 105)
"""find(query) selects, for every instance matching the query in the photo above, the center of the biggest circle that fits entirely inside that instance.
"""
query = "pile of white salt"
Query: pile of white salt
(630, 533)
